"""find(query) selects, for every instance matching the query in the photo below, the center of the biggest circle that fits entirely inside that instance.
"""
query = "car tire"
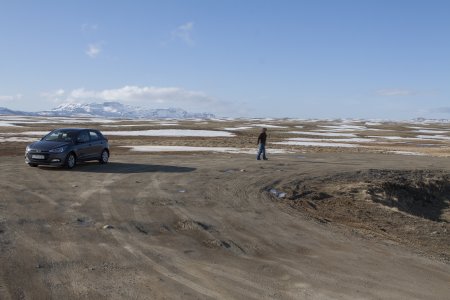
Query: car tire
(71, 160)
(33, 165)
(104, 157)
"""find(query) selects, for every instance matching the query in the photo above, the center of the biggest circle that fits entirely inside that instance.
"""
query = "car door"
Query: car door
(83, 147)
(96, 144)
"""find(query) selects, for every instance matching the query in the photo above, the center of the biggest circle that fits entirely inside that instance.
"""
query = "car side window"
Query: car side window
(83, 137)
(94, 136)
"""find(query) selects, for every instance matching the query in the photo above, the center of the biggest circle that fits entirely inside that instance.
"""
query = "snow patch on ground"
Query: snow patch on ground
(344, 140)
(268, 126)
(152, 148)
(317, 144)
(323, 133)
(171, 132)
(238, 128)
(433, 137)
(6, 124)
(345, 127)
(432, 131)
(15, 139)
(406, 152)
(32, 133)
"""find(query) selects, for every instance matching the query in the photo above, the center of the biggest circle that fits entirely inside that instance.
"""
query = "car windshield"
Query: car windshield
(60, 136)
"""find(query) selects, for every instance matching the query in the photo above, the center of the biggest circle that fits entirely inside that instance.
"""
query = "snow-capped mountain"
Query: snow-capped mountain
(113, 110)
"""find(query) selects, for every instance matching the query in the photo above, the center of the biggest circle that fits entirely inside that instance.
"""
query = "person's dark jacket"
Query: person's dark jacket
(262, 138)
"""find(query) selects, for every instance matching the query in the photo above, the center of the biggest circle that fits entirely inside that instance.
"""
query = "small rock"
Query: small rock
(74, 185)
(273, 191)
(242, 170)
(281, 195)
(434, 232)
(107, 226)
(182, 191)
(137, 181)
(277, 193)
(39, 266)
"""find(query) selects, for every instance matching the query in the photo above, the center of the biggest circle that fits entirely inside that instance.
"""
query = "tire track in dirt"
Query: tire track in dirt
(4, 293)
(130, 244)
(240, 287)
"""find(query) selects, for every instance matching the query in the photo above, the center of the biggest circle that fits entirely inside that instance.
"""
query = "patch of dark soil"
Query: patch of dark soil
(424, 196)
(408, 207)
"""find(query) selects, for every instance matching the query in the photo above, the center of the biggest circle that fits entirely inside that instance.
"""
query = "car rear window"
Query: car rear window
(94, 136)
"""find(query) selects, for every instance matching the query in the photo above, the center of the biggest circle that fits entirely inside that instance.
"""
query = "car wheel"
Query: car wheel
(33, 165)
(104, 157)
(71, 161)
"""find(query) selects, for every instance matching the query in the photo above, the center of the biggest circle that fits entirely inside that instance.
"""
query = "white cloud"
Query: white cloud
(148, 96)
(93, 50)
(184, 33)
(162, 97)
(9, 98)
(396, 92)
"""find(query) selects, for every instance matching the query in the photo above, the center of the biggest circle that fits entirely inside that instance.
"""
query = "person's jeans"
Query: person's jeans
(261, 150)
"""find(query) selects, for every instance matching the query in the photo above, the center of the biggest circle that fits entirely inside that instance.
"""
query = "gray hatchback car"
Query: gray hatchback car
(66, 146)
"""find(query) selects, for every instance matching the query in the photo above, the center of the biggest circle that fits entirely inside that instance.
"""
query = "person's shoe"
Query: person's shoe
(265, 158)
(258, 159)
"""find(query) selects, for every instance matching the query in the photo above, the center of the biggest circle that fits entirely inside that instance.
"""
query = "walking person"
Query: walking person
(262, 145)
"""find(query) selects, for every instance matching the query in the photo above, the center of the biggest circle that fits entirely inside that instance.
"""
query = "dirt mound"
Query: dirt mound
(422, 194)
(408, 207)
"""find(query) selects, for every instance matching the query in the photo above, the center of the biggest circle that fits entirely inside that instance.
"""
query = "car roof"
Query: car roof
(75, 129)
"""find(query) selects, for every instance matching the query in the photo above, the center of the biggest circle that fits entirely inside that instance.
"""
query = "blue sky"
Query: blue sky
(306, 59)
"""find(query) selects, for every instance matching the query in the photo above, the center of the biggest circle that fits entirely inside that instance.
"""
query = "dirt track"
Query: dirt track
(196, 227)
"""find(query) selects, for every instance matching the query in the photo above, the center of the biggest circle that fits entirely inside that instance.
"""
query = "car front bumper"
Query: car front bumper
(45, 158)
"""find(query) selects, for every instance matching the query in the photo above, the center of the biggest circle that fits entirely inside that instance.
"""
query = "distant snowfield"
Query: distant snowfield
(433, 137)
(323, 133)
(6, 124)
(238, 128)
(406, 153)
(125, 125)
(171, 132)
(432, 131)
(267, 126)
(153, 148)
(29, 133)
(167, 124)
(342, 140)
(317, 144)
(15, 139)
(345, 127)
(390, 137)
(143, 124)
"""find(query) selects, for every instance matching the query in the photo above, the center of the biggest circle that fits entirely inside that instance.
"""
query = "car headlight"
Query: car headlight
(58, 150)
(28, 148)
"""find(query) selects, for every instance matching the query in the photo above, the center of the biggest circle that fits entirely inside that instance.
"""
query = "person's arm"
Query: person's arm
(259, 138)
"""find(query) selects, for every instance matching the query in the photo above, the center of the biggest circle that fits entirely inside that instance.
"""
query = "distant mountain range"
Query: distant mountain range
(110, 110)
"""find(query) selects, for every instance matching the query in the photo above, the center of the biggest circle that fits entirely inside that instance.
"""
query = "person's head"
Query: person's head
(264, 130)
